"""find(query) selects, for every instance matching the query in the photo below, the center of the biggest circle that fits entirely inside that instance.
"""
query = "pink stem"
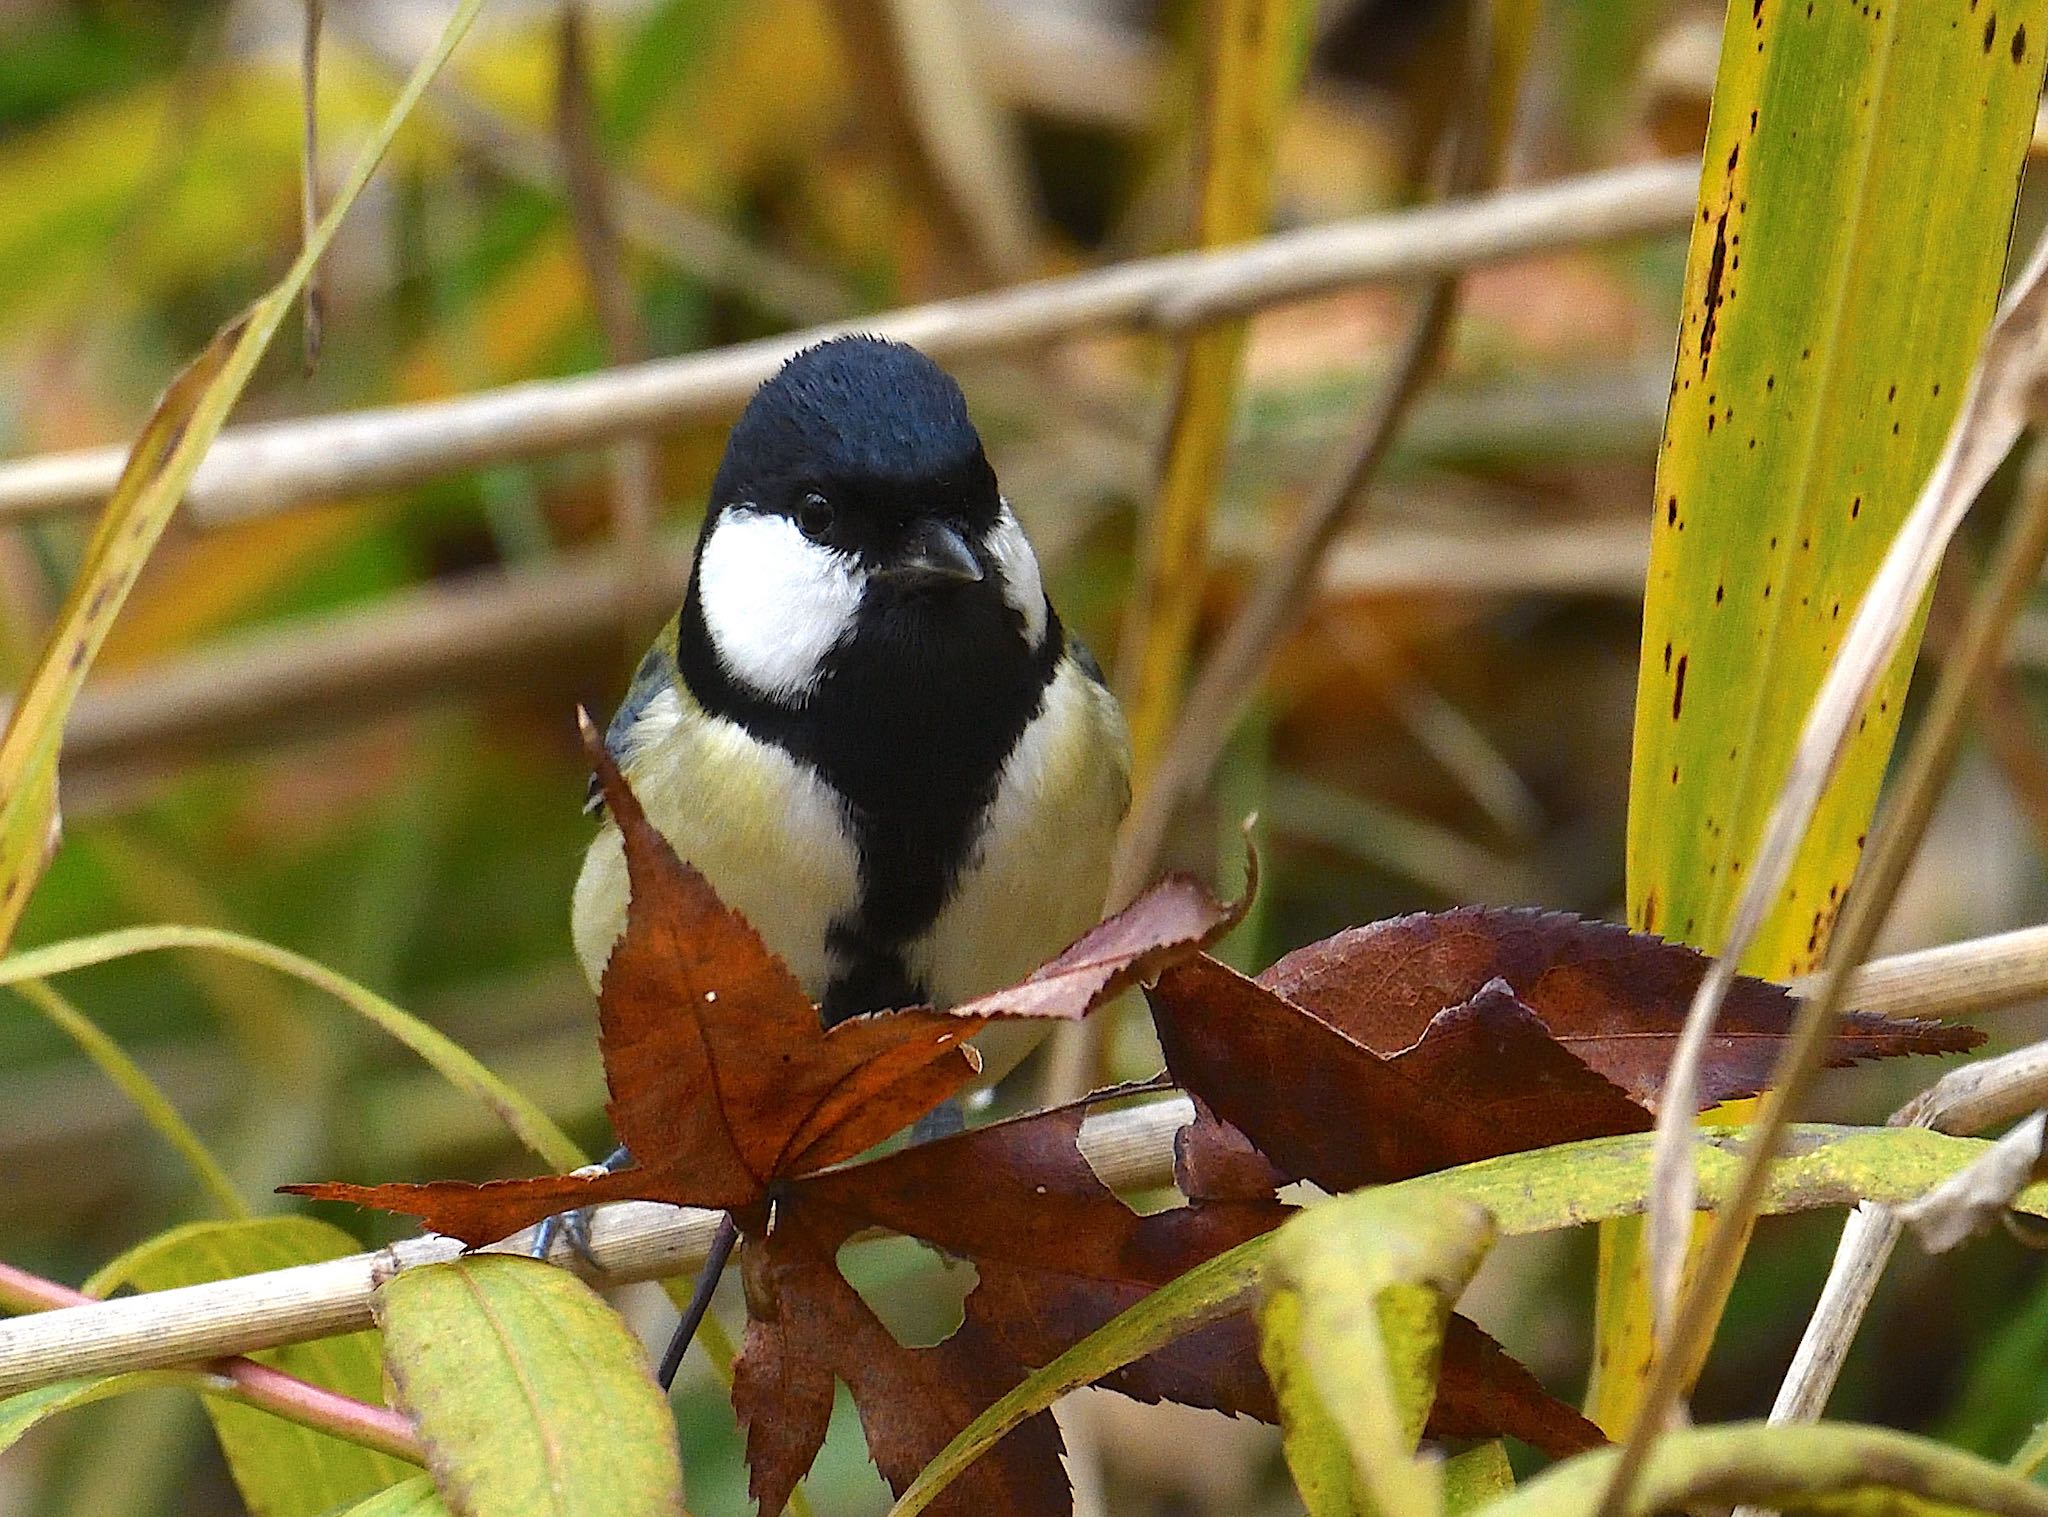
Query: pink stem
(252, 1384)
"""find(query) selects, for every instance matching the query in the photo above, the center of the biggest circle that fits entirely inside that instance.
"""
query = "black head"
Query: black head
(856, 521)
(864, 443)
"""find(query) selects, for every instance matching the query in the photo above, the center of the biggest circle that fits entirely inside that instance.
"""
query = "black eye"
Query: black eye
(814, 516)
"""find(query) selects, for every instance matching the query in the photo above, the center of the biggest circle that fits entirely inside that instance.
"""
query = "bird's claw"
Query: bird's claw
(573, 1227)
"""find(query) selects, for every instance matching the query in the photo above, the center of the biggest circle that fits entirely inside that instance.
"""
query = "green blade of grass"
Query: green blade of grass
(1250, 73)
(142, 1092)
(460, 1068)
(161, 464)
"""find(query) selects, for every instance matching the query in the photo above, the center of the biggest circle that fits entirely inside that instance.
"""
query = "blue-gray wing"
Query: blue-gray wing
(1085, 657)
(657, 672)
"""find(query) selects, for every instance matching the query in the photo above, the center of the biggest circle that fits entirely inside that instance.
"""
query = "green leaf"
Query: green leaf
(1476, 1478)
(165, 456)
(1358, 1298)
(449, 1059)
(1835, 1468)
(20, 1413)
(281, 1468)
(1844, 266)
(1318, 1457)
(1566, 1186)
(532, 1398)
(410, 1498)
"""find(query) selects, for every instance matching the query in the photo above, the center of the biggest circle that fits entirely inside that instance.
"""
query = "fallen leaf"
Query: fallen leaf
(1615, 998)
(1057, 1255)
(1428, 1041)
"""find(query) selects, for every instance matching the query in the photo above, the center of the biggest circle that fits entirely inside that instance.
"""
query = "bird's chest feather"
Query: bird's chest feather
(770, 835)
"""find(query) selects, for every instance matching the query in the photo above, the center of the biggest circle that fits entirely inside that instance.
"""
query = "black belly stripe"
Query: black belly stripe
(911, 722)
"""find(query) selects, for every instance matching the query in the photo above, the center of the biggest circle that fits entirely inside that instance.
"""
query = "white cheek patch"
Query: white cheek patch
(775, 603)
(1018, 565)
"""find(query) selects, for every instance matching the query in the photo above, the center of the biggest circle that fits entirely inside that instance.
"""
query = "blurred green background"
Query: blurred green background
(1452, 723)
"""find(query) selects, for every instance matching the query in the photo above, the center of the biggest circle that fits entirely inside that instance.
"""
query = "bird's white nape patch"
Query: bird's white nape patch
(1018, 566)
(775, 603)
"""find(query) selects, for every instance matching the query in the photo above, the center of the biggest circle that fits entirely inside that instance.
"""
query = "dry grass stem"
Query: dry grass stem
(259, 469)
(1963, 1101)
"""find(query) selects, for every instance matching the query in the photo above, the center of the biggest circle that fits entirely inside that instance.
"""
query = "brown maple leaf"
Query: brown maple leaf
(1435, 1040)
(1057, 1255)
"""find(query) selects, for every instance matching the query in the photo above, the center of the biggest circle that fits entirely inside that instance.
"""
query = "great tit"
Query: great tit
(866, 726)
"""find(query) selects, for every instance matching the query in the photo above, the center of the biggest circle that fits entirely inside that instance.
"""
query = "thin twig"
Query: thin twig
(634, 462)
(1234, 671)
(422, 645)
(244, 1380)
(700, 1300)
(1231, 675)
(258, 469)
(1987, 426)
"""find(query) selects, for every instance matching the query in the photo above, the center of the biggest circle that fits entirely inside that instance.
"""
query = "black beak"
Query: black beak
(933, 554)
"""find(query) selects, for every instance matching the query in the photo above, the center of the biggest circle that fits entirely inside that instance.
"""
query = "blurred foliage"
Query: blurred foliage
(1416, 747)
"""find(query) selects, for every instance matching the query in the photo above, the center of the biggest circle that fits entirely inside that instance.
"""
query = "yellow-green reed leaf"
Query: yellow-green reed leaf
(412, 1498)
(531, 1396)
(281, 1468)
(1843, 268)
(447, 1058)
(1317, 1453)
(142, 1092)
(1836, 1468)
(1251, 69)
(1366, 1290)
(1476, 1478)
(20, 1413)
(160, 465)
(1567, 1186)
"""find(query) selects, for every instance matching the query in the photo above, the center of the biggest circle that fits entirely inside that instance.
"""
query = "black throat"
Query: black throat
(911, 723)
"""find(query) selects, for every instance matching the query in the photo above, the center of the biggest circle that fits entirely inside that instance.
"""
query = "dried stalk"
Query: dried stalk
(244, 1380)
(502, 630)
(1963, 1101)
(259, 469)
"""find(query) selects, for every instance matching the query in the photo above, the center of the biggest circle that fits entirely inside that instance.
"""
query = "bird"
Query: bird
(866, 725)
